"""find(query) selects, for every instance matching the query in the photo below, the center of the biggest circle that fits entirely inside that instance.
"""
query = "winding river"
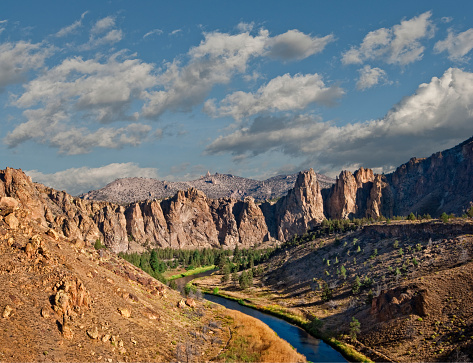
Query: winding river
(315, 350)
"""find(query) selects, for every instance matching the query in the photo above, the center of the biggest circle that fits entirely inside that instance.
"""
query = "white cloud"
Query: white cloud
(16, 59)
(437, 116)
(370, 77)
(214, 61)
(152, 32)
(245, 27)
(175, 31)
(63, 103)
(296, 45)
(80, 180)
(397, 45)
(71, 28)
(283, 93)
(103, 25)
(457, 45)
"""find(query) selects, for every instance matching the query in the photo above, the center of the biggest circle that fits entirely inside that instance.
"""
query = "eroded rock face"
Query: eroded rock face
(443, 182)
(301, 209)
(400, 301)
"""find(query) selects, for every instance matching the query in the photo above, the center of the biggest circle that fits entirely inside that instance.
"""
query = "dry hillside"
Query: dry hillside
(63, 300)
(414, 299)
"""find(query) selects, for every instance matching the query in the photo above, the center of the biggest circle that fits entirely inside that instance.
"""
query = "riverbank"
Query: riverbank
(194, 271)
(348, 351)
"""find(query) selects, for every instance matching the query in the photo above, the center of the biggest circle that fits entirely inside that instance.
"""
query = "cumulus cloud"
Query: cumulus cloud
(370, 77)
(283, 93)
(217, 59)
(214, 61)
(80, 180)
(397, 45)
(437, 116)
(62, 104)
(103, 33)
(71, 28)
(16, 59)
(296, 45)
(456, 45)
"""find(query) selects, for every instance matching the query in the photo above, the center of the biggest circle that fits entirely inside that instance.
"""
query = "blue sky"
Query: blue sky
(96, 90)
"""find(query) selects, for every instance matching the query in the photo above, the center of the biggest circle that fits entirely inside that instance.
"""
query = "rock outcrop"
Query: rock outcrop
(190, 219)
(301, 209)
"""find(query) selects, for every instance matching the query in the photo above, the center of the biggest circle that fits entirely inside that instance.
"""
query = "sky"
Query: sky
(92, 91)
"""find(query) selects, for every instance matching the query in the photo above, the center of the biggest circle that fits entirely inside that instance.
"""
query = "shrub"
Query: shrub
(98, 244)
(356, 285)
(327, 293)
(354, 328)
(444, 217)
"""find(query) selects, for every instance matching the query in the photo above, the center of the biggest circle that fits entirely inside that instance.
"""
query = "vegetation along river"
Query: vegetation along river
(315, 350)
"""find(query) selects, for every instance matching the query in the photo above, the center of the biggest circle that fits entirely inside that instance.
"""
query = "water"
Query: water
(315, 350)
(182, 281)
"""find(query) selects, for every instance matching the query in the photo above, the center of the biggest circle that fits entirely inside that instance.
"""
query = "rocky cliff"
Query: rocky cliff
(187, 220)
(442, 182)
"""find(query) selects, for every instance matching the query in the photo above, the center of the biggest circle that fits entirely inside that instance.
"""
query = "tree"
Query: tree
(153, 261)
(327, 293)
(343, 272)
(356, 286)
(411, 217)
(444, 217)
(354, 328)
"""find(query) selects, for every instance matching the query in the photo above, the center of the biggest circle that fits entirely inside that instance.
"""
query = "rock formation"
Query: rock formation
(443, 182)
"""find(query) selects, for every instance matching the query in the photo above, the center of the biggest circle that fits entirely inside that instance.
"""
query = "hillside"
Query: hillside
(62, 300)
(128, 190)
(407, 283)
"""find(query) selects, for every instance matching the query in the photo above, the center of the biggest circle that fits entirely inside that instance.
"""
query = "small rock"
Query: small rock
(191, 302)
(7, 311)
(79, 243)
(133, 341)
(120, 343)
(106, 338)
(7, 205)
(121, 350)
(181, 304)
(125, 312)
(52, 233)
(11, 221)
(44, 313)
(89, 274)
(93, 333)
(10, 241)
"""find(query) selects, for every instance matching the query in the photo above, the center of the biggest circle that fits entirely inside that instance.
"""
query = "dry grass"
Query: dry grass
(254, 341)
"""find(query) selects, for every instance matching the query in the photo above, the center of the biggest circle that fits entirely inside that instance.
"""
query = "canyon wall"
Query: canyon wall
(442, 182)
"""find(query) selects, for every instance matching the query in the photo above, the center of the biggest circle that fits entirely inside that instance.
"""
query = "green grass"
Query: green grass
(194, 271)
(347, 351)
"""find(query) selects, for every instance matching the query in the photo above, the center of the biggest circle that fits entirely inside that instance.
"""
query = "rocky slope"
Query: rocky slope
(128, 190)
(61, 300)
(413, 297)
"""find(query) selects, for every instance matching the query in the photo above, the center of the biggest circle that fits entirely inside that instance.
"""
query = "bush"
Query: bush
(98, 245)
(354, 328)
(444, 217)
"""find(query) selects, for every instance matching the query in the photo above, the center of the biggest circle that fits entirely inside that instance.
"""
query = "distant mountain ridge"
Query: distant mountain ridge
(128, 190)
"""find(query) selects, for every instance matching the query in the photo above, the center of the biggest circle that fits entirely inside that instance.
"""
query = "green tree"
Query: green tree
(444, 217)
(411, 217)
(343, 272)
(354, 328)
(327, 293)
(356, 285)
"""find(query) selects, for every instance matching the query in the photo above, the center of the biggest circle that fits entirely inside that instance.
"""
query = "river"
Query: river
(315, 350)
